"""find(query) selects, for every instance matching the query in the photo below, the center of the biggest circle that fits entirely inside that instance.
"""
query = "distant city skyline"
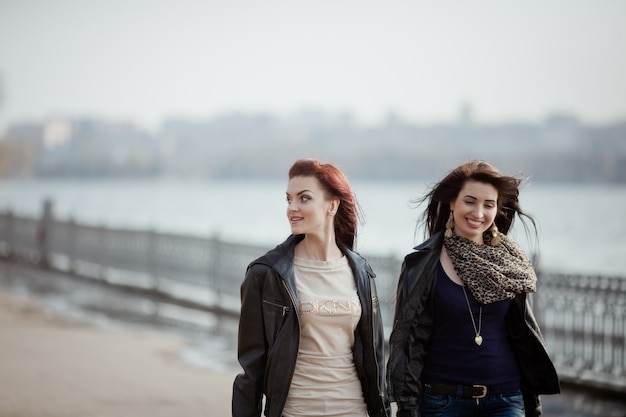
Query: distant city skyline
(559, 149)
(145, 61)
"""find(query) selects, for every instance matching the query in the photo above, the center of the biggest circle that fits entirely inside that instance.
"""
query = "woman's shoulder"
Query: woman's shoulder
(432, 245)
(273, 255)
(278, 260)
(359, 261)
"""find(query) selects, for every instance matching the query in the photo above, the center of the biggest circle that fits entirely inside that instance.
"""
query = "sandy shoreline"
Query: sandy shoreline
(51, 365)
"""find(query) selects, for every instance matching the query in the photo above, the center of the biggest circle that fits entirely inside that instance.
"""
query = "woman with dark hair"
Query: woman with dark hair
(465, 341)
(310, 332)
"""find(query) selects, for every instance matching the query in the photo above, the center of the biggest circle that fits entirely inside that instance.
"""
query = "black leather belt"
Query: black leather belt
(468, 391)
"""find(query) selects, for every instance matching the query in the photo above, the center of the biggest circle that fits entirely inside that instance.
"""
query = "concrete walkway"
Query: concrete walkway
(54, 366)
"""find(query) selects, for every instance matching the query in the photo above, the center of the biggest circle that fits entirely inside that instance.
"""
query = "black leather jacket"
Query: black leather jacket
(269, 335)
(413, 325)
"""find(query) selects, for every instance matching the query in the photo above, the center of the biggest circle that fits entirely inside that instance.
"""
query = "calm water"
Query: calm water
(582, 228)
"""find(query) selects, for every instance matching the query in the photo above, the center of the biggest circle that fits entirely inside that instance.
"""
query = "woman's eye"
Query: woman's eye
(305, 198)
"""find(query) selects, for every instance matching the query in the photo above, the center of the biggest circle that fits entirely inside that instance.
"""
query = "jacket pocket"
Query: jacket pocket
(278, 305)
(274, 315)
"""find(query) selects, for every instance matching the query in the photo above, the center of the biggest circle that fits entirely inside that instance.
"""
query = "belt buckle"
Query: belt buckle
(483, 394)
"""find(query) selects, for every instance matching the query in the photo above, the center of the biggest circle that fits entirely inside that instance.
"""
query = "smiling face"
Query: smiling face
(474, 209)
(309, 211)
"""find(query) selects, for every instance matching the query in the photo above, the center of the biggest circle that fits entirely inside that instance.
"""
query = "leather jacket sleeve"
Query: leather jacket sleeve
(408, 365)
(251, 350)
(537, 369)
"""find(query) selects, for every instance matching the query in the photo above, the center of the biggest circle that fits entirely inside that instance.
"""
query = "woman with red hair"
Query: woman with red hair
(310, 332)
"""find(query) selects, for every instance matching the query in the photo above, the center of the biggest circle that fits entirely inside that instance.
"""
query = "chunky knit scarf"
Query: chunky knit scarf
(492, 273)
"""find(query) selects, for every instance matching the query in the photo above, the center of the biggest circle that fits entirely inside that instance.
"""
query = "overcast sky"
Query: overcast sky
(145, 60)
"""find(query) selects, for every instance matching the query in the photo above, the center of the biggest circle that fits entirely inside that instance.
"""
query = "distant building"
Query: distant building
(56, 133)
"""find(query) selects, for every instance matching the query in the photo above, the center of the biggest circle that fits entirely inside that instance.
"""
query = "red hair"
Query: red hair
(336, 185)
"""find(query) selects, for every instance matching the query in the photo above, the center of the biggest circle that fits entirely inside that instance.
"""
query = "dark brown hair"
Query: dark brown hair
(447, 190)
(336, 185)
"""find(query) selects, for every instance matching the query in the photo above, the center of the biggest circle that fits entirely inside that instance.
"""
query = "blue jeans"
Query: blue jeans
(510, 404)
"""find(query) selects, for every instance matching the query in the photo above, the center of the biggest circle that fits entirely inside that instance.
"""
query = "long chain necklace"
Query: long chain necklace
(478, 339)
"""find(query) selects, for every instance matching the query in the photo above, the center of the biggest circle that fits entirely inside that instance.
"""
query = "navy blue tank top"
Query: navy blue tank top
(453, 357)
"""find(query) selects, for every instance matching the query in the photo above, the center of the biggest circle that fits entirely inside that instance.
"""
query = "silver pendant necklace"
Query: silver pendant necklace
(478, 339)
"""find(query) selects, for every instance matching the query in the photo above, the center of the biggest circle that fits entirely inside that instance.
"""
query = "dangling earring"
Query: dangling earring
(495, 238)
(449, 225)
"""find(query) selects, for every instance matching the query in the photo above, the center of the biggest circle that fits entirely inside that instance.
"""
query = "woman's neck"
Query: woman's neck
(318, 248)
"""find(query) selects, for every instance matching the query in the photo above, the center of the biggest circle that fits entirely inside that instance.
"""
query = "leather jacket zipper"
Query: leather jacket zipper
(373, 313)
(296, 310)
(285, 309)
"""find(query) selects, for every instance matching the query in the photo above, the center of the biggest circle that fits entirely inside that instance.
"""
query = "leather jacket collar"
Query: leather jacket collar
(280, 259)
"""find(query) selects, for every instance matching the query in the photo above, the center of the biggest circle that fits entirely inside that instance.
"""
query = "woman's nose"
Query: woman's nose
(478, 212)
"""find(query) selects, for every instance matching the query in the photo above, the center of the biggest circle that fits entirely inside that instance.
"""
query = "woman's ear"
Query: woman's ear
(333, 206)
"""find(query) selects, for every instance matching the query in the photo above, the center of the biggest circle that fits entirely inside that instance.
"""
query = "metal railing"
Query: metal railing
(583, 317)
